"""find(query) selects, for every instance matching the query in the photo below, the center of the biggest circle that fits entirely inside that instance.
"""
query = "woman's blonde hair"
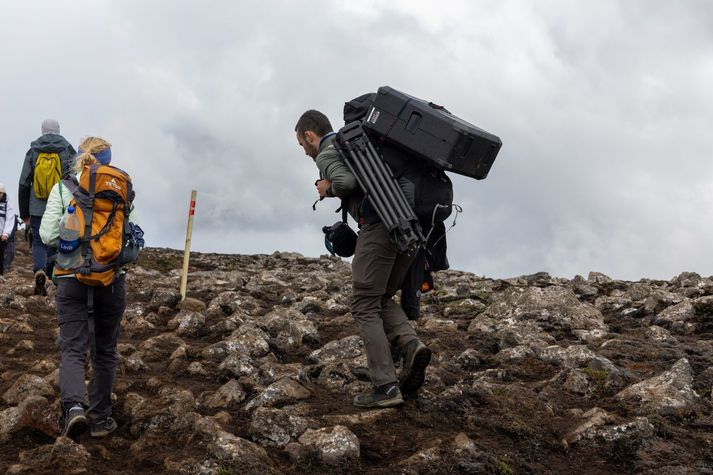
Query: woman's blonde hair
(89, 147)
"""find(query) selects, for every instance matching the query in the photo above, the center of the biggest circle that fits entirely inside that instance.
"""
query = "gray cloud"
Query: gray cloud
(603, 110)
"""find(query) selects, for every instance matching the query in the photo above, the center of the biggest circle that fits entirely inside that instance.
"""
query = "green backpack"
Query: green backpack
(48, 172)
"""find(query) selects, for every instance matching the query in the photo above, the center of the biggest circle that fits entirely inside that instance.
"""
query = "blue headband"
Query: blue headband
(103, 157)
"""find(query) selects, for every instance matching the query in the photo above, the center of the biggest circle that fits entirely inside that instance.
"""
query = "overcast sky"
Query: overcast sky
(604, 109)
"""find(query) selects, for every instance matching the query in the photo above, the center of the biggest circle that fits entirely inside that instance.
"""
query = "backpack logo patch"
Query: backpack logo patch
(113, 184)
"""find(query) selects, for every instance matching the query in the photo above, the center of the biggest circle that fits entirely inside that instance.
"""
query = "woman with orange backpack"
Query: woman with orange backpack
(91, 293)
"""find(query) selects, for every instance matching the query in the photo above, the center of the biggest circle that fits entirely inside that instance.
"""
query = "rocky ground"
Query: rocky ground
(256, 370)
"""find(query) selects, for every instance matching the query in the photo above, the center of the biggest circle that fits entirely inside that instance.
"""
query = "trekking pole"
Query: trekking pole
(187, 252)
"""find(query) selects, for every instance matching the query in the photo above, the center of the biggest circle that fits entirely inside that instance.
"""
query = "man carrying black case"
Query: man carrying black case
(377, 272)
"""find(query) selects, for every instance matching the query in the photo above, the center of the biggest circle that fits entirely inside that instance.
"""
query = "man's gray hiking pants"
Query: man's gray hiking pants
(377, 272)
(72, 314)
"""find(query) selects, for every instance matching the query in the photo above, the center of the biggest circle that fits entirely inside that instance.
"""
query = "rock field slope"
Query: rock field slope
(255, 372)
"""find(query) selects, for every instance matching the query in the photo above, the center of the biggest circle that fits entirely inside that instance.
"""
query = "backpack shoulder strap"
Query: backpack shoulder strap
(61, 198)
(72, 184)
(89, 212)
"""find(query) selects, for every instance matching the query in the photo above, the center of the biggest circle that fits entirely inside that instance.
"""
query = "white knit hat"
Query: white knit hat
(50, 126)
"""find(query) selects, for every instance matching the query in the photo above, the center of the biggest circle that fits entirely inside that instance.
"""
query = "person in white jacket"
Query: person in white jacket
(7, 226)
(74, 324)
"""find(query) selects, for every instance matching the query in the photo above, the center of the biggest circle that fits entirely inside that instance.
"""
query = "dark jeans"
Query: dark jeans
(3, 247)
(109, 305)
(377, 272)
(41, 254)
(9, 255)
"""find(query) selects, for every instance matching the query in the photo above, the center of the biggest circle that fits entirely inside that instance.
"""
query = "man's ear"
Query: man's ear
(310, 136)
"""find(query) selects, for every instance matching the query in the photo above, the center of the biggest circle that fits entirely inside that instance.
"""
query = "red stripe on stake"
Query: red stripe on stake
(187, 252)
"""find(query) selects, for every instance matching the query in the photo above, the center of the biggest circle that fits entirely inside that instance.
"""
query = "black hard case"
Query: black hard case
(432, 133)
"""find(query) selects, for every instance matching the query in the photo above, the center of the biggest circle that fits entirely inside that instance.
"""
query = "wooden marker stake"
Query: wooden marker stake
(187, 253)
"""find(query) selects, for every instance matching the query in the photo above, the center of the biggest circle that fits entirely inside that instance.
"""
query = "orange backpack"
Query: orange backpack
(102, 199)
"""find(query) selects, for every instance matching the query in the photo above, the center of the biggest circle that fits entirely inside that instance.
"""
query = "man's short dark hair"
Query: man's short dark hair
(314, 121)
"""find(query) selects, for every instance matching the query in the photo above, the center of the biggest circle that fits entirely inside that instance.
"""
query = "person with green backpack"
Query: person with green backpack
(47, 161)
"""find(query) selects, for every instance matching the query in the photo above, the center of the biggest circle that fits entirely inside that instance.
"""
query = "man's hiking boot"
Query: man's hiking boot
(75, 423)
(387, 395)
(103, 427)
(417, 356)
(40, 279)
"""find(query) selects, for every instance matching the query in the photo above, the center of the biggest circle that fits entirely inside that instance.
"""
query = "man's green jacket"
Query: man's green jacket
(344, 185)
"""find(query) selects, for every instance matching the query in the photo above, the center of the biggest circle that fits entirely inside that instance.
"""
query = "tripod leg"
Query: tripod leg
(385, 213)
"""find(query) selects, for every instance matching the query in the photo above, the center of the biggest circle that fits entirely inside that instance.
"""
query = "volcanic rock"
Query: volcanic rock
(64, 456)
(230, 394)
(187, 324)
(276, 427)
(346, 348)
(284, 391)
(670, 391)
(27, 385)
(335, 445)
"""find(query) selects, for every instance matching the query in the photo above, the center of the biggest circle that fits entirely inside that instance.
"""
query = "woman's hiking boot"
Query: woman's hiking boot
(387, 395)
(74, 423)
(417, 356)
(103, 427)
(40, 279)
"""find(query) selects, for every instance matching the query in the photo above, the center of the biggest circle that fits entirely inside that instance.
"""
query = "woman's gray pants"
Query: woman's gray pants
(72, 314)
